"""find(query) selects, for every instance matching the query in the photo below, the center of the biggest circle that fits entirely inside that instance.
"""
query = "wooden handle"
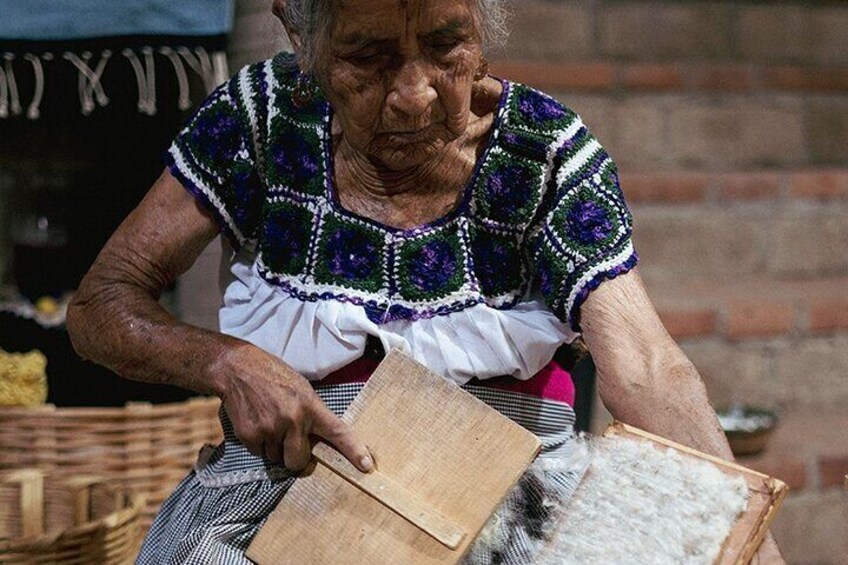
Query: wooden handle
(393, 496)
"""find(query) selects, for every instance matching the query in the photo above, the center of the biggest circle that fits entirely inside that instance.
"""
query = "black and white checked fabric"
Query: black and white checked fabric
(219, 507)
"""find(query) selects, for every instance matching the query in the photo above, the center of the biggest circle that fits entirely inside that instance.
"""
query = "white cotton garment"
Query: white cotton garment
(316, 338)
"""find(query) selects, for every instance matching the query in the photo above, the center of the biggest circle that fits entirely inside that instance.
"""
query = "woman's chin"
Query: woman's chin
(400, 156)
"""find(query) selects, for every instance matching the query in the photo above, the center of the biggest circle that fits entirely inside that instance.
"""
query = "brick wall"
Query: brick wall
(729, 121)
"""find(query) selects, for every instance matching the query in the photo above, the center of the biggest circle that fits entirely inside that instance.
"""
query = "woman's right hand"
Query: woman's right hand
(274, 410)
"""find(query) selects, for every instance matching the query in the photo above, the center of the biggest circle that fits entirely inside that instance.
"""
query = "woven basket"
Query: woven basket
(61, 519)
(143, 448)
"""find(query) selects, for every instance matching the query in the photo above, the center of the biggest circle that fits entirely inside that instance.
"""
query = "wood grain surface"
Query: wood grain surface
(444, 451)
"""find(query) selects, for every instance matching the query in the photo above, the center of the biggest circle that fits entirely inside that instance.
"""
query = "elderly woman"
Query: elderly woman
(381, 190)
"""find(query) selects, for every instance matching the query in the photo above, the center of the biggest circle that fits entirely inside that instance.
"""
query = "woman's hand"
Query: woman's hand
(274, 411)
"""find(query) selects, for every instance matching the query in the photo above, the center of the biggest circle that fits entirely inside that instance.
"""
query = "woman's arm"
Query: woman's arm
(115, 319)
(645, 379)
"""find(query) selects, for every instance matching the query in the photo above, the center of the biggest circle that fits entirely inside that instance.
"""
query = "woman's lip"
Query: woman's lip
(404, 132)
(408, 136)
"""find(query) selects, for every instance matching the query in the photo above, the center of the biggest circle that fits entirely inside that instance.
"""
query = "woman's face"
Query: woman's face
(398, 74)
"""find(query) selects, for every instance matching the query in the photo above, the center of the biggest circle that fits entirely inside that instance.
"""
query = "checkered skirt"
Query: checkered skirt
(215, 512)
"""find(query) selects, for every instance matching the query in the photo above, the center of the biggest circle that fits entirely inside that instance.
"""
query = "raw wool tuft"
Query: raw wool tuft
(527, 519)
(642, 504)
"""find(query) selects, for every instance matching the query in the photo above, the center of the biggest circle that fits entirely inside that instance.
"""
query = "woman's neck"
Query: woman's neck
(415, 195)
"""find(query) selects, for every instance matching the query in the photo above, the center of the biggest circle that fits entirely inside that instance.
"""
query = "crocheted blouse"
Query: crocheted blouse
(490, 289)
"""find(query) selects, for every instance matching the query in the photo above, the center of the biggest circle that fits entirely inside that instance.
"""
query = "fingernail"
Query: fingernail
(366, 463)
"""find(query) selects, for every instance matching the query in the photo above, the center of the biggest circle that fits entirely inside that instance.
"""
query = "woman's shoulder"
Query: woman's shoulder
(534, 112)
(256, 86)
(536, 126)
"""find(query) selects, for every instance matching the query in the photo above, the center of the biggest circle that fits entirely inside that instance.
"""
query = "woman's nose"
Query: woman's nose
(412, 92)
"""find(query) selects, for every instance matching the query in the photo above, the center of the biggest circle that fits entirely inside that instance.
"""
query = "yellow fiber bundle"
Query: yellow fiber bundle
(23, 380)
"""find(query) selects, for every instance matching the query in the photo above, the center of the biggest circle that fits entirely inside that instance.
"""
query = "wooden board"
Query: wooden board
(440, 450)
(766, 496)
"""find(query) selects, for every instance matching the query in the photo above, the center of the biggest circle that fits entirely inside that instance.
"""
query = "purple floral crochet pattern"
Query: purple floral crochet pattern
(542, 212)
(588, 222)
(435, 266)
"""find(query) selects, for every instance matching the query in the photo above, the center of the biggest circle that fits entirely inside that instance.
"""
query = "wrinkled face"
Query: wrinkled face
(398, 74)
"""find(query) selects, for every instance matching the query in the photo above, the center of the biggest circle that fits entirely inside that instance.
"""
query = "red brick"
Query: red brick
(811, 372)
(736, 131)
(819, 185)
(639, 132)
(749, 186)
(829, 39)
(805, 79)
(721, 77)
(827, 316)
(668, 188)
(808, 241)
(667, 30)
(773, 33)
(758, 319)
(827, 130)
(697, 241)
(690, 322)
(790, 470)
(538, 30)
(832, 470)
(652, 77)
(563, 76)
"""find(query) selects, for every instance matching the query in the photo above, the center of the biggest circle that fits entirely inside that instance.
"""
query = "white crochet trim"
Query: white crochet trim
(210, 479)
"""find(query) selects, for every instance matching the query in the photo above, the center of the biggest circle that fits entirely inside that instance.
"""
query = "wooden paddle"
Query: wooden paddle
(445, 461)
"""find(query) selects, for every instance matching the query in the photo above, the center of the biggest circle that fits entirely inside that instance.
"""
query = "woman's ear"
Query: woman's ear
(279, 10)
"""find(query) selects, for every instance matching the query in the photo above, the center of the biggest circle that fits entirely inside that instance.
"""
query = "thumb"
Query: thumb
(332, 429)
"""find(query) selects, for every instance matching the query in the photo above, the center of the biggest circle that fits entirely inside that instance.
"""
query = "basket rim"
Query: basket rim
(112, 521)
(106, 412)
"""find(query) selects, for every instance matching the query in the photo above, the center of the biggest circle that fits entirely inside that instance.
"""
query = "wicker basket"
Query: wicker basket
(143, 448)
(66, 519)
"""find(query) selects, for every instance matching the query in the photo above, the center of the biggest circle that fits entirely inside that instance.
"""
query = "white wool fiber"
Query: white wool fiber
(643, 504)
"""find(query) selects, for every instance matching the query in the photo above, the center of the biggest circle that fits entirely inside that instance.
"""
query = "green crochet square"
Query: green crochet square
(285, 239)
(533, 110)
(294, 157)
(508, 189)
(587, 220)
(498, 262)
(431, 266)
(350, 254)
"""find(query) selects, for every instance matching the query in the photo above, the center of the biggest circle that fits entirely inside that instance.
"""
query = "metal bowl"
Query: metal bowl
(747, 428)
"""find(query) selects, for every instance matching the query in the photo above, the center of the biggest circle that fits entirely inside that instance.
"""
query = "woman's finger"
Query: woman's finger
(329, 427)
(296, 450)
(274, 450)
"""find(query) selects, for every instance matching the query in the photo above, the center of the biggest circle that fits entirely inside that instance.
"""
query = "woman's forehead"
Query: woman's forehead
(356, 21)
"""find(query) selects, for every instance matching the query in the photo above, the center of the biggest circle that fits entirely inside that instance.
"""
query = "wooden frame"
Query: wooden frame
(766, 496)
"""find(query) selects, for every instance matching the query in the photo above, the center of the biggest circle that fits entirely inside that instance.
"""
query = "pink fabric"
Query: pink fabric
(551, 383)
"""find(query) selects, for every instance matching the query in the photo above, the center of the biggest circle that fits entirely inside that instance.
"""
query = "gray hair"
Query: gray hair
(312, 20)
